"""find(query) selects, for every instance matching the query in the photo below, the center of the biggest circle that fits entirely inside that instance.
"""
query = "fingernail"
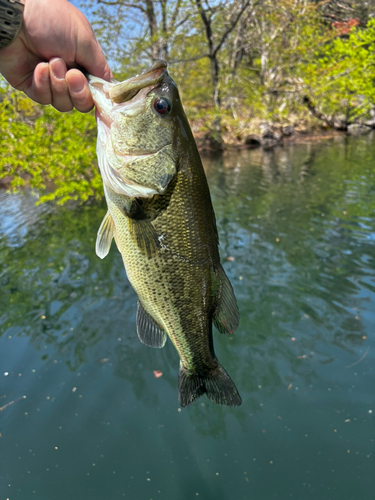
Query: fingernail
(58, 69)
(76, 84)
(45, 73)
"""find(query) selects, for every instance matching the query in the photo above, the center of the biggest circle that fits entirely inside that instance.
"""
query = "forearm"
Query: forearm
(11, 12)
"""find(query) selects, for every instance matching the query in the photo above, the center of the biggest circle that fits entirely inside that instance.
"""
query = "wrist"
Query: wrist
(11, 12)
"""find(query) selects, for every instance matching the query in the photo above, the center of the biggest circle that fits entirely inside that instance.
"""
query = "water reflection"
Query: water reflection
(298, 226)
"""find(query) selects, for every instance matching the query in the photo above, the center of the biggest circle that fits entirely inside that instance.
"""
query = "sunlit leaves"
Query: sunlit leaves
(51, 152)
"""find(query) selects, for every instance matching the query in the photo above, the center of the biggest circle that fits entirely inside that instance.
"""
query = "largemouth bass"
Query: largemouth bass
(161, 217)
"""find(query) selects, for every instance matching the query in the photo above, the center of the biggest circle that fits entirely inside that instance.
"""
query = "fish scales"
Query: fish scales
(162, 219)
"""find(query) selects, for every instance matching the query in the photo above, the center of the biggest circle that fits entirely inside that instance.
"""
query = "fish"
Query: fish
(161, 217)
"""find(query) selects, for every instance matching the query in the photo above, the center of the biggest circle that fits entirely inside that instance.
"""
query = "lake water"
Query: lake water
(297, 235)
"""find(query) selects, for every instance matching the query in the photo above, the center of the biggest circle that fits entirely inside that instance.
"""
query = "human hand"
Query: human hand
(54, 39)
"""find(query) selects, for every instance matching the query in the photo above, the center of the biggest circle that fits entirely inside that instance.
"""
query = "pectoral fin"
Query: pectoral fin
(142, 230)
(226, 317)
(104, 238)
(148, 331)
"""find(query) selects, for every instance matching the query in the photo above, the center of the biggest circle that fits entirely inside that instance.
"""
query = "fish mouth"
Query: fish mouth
(114, 101)
(126, 90)
(124, 97)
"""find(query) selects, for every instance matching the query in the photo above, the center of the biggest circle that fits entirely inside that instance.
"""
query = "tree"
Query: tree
(41, 147)
(240, 66)
(340, 89)
(264, 60)
(140, 28)
(229, 15)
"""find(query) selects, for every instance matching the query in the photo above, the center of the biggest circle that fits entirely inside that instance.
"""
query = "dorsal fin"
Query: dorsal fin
(148, 331)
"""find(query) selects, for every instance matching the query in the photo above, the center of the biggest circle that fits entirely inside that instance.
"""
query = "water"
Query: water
(297, 230)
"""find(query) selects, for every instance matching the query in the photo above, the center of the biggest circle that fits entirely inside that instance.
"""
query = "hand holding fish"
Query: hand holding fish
(54, 39)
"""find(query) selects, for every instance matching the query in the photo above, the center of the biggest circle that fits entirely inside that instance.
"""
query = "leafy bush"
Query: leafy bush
(52, 152)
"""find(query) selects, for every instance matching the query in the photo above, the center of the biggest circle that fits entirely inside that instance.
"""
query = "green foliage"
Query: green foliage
(279, 57)
(340, 78)
(281, 38)
(51, 152)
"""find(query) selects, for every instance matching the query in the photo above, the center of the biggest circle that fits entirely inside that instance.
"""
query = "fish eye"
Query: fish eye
(162, 106)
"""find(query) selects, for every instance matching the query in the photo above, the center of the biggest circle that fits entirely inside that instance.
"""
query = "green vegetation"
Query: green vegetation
(47, 150)
(241, 66)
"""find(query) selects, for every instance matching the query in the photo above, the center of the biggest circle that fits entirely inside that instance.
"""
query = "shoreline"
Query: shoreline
(267, 143)
(278, 140)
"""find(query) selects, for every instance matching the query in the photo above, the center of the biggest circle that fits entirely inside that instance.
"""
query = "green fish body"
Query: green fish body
(161, 216)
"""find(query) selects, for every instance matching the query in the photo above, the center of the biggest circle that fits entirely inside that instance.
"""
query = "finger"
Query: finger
(89, 54)
(39, 89)
(79, 91)
(60, 91)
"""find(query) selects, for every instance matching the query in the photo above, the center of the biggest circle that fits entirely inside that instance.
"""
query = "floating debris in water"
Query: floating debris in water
(360, 359)
(158, 373)
(11, 403)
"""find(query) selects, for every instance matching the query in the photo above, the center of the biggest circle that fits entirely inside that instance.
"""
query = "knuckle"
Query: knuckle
(59, 87)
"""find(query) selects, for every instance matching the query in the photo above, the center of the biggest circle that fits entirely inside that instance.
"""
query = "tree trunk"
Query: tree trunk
(164, 38)
(152, 24)
(215, 81)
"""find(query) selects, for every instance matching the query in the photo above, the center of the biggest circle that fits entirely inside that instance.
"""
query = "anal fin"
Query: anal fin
(226, 316)
(148, 331)
(105, 236)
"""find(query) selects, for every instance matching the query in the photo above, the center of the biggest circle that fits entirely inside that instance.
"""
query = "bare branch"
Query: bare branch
(207, 25)
(124, 4)
(196, 58)
(329, 120)
(182, 21)
(231, 27)
(173, 19)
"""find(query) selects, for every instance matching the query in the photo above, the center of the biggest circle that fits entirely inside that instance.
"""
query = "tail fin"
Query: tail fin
(216, 383)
